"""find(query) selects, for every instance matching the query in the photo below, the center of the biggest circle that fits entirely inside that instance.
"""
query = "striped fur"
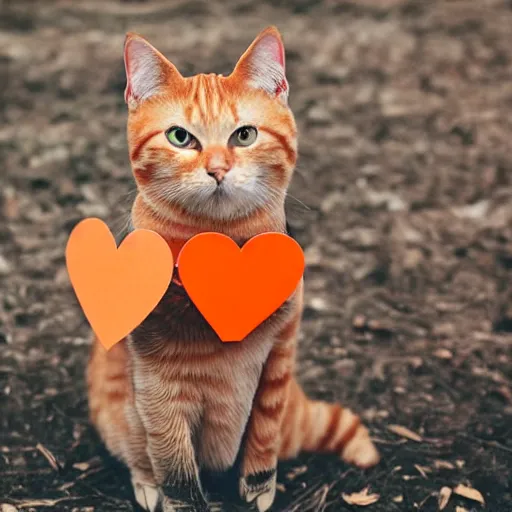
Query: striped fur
(171, 398)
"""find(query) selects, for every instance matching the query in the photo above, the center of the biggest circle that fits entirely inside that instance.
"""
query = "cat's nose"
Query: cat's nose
(218, 173)
(218, 162)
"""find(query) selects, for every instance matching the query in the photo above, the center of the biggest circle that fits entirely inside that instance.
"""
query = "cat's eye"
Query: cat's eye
(180, 138)
(244, 136)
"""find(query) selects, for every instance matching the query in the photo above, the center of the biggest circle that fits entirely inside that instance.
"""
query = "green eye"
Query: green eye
(244, 136)
(180, 138)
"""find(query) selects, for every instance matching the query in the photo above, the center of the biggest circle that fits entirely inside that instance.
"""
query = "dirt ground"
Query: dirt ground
(402, 202)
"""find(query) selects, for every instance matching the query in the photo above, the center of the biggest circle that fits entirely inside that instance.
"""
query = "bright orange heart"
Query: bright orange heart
(117, 287)
(237, 289)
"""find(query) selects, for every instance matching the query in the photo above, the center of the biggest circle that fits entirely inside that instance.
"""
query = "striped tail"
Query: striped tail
(316, 426)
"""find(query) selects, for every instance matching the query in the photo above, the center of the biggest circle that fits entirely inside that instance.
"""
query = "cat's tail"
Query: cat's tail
(317, 426)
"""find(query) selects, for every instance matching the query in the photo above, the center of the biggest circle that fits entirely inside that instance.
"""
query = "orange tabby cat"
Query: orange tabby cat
(211, 153)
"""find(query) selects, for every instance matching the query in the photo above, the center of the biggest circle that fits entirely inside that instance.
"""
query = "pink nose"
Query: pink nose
(217, 173)
(217, 162)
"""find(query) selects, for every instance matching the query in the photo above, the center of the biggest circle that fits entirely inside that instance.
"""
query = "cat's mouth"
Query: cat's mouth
(220, 191)
(219, 186)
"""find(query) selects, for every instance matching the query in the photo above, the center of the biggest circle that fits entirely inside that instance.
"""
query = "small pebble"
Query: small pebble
(319, 115)
(318, 304)
(359, 322)
(5, 266)
(443, 353)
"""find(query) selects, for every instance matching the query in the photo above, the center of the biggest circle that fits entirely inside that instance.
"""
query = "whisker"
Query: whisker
(299, 201)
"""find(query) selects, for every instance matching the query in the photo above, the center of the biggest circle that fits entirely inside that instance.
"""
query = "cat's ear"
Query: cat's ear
(147, 70)
(263, 64)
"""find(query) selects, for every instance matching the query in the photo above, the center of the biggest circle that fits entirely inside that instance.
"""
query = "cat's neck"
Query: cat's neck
(181, 227)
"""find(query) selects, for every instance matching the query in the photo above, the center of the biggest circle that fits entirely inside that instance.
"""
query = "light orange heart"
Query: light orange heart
(237, 289)
(117, 287)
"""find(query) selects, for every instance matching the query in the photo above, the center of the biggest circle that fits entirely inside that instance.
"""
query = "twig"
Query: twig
(45, 502)
(74, 421)
(493, 444)
(15, 449)
(420, 505)
(97, 492)
(323, 495)
(83, 476)
(48, 455)
(43, 471)
(378, 440)
(300, 499)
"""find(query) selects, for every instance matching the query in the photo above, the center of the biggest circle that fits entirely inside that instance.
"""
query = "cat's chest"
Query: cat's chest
(177, 319)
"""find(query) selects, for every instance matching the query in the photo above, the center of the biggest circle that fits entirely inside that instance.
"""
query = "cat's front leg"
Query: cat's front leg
(259, 463)
(168, 415)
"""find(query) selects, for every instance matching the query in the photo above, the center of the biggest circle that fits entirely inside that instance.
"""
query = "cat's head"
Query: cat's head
(210, 146)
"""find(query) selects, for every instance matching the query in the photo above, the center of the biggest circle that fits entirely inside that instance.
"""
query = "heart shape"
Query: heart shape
(237, 289)
(117, 287)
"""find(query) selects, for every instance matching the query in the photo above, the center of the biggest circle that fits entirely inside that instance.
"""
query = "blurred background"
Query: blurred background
(402, 202)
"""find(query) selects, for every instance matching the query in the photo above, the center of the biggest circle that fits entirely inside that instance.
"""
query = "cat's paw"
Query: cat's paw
(360, 450)
(164, 504)
(260, 488)
(154, 499)
(184, 498)
(148, 497)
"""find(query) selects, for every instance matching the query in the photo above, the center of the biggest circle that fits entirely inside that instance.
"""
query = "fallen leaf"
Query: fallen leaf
(461, 509)
(405, 432)
(295, 472)
(280, 487)
(460, 463)
(444, 497)
(361, 498)
(443, 464)
(469, 493)
(398, 499)
(6, 507)
(82, 466)
(423, 470)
